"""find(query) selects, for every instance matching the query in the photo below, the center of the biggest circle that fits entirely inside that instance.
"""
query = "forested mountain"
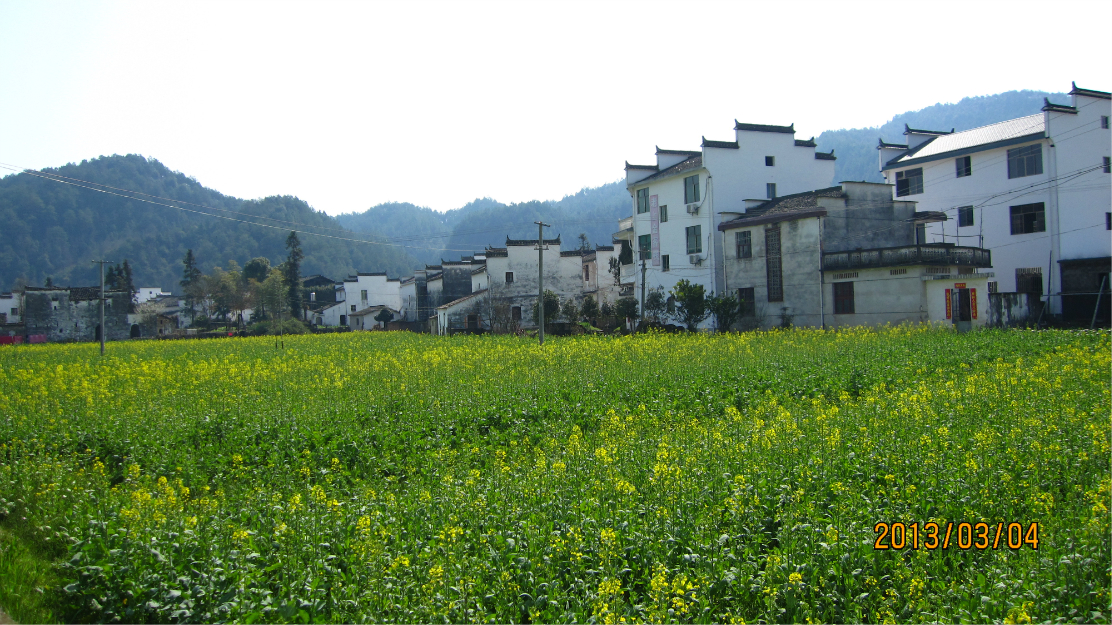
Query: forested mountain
(55, 229)
(856, 147)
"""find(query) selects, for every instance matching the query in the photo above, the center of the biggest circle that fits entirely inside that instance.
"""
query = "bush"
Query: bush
(272, 327)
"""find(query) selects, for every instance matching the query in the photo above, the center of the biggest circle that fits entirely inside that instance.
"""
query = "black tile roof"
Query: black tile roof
(1092, 93)
(496, 252)
(695, 162)
(729, 145)
(523, 242)
(883, 144)
(772, 217)
(809, 143)
(372, 273)
(652, 167)
(928, 216)
(764, 127)
(572, 253)
(1058, 108)
(825, 156)
(790, 203)
(678, 152)
(909, 130)
(604, 248)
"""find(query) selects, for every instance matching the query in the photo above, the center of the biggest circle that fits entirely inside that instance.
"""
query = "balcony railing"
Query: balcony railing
(908, 255)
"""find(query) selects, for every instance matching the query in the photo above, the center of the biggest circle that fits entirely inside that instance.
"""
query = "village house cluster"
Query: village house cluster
(995, 225)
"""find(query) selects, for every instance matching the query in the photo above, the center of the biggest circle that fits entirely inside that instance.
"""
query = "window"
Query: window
(964, 166)
(691, 189)
(843, 298)
(1107, 165)
(695, 240)
(515, 313)
(770, 161)
(1025, 161)
(920, 234)
(587, 274)
(353, 308)
(663, 213)
(642, 201)
(1028, 218)
(363, 295)
(993, 286)
(15, 312)
(965, 216)
(773, 268)
(509, 277)
(744, 244)
(1107, 226)
(1029, 280)
(645, 246)
(909, 182)
(747, 302)
(770, 190)
(1104, 121)
(665, 264)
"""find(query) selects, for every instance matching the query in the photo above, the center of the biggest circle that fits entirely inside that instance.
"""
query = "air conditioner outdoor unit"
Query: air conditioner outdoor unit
(695, 259)
(693, 208)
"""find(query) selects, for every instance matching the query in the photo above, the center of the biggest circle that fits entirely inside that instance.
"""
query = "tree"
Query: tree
(606, 310)
(584, 242)
(190, 275)
(655, 303)
(49, 282)
(293, 273)
(589, 310)
(691, 303)
(570, 311)
(384, 317)
(257, 269)
(615, 270)
(626, 308)
(127, 283)
(726, 310)
(272, 293)
(551, 308)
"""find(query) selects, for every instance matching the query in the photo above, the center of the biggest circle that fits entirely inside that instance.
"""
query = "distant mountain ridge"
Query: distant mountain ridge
(53, 229)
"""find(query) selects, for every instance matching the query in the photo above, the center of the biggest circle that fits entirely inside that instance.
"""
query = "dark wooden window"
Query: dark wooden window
(1028, 218)
(509, 277)
(663, 213)
(1025, 161)
(744, 244)
(645, 246)
(1108, 221)
(587, 274)
(770, 161)
(691, 189)
(843, 298)
(964, 166)
(747, 302)
(1108, 165)
(774, 270)
(909, 182)
(665, 263)
(965, 216)
(1104, 121)
(642, 201)
(694, 239)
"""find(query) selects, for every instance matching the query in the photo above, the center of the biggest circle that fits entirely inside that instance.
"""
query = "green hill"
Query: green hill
(54, 229)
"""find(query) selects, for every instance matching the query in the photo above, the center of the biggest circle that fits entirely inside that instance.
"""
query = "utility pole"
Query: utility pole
(643, 254)
(103, 330)
(540, 277)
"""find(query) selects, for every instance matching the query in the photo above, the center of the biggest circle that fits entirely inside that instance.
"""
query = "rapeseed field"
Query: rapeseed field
(906, 474)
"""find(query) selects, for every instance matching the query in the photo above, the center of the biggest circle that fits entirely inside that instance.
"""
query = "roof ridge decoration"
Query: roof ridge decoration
(884, 144)
(678, 152)
(729, 145)
(809, 143)
(908, 130)
(1091, 93)
(523, 242)
(826, 156)
(652, 167)
(764, 127)
(1058, 108)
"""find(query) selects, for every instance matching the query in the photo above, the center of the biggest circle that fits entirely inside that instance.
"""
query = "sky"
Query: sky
(351, 104)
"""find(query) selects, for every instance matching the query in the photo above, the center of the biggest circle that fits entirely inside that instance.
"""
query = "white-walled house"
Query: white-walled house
(846, 256)
(1034, 190)
(364, 290)
(512, 275)
(11, 305)
(678, 202)
(147, 293)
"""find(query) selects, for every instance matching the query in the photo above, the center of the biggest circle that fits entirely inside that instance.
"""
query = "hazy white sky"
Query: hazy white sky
(347, 105)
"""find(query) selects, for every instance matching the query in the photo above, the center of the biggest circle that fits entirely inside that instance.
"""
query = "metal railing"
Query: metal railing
(908, 255)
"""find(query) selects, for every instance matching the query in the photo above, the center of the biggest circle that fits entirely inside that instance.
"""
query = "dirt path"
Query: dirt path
(4, 619)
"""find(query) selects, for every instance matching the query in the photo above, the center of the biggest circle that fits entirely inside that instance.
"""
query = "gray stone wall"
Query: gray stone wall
(65, 315)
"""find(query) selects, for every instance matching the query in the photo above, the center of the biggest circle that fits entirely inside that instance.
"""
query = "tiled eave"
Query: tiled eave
(770, 218)
(984, 147)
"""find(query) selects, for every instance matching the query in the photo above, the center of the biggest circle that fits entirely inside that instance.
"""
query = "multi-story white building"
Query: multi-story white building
(679, 201)
(365, 290)
(1033, 190)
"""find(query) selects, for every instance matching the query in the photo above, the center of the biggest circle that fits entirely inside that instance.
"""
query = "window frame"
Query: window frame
(909, 182)
(694, 233)
(645, 247)
(509, 277)
(770, 190)
(1107, 165)
(665, 263)
(843, 298)
(964, 166)
(1104, 122)
(642, 201)
(770, 161)
(1025, 161)
(965, 216)
(691, 189)
(743, 244)
(774, 269)
(1017, 215)
(663, 213)
(747, 301)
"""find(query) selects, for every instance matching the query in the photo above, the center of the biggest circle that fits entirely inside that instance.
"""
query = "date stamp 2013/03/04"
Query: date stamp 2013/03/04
(962, 535)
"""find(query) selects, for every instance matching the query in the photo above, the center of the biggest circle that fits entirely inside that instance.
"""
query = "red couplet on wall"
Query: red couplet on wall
(973, 301)
(949, 312)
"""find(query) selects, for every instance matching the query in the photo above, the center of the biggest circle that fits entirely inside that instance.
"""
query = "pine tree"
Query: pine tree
(293, 273)
(127, 282)
(189, 277)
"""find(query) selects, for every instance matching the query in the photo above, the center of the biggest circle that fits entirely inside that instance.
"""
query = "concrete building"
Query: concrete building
(365, 290)
(848, 255)
(470, 313)
(512, 275)
(1034, 190)
(677, 203)
(72, 313)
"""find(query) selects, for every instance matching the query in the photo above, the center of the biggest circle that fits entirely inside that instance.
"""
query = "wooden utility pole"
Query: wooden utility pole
(642, 316)
(540, 277)
(103, 330)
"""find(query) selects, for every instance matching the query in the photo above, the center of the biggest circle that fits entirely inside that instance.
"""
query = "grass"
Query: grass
(395, 477)
(27, 581)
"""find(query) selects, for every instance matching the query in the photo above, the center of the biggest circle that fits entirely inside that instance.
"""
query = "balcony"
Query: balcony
(908, 255)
